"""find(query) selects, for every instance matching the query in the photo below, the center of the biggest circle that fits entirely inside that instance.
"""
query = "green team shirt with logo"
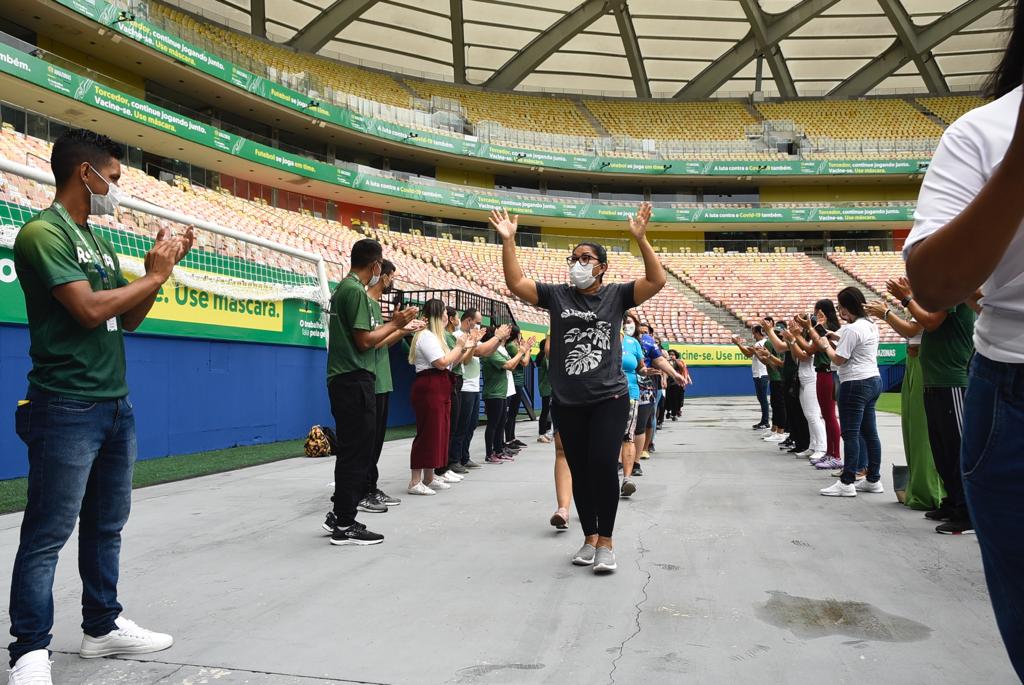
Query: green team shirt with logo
(381, 357)
(449, 338)
(774, 373)
(67, 358)
(350, 311)
(946, 351)
(518, 373)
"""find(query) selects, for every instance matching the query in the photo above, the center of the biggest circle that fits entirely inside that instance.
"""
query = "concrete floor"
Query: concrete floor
(732, 570)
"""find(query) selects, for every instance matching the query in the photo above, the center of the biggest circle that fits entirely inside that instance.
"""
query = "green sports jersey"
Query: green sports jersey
(350, 311)
(67, 358)
(946, 351)
(518, 373)
(382, 357)
(774, 373)
(495, 375)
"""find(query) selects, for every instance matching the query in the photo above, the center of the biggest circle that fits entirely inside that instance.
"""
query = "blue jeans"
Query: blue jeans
(860, 430)
(81, 456)
(761, 388)
(992, 458)
(465, 426)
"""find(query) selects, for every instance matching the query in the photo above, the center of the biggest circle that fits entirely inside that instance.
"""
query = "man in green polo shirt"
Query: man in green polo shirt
(354, 334)
(947, 345)
(76, 418)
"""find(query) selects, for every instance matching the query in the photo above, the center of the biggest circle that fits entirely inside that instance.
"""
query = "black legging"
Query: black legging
(453, 422)
(674, 400)
(778, 398)
(591, 437)
(494, 434)
(796, 423)
(544, 424)
(512, 413)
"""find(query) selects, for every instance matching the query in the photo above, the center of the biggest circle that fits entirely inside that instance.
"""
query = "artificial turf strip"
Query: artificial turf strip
(889, 402)
(182, 467)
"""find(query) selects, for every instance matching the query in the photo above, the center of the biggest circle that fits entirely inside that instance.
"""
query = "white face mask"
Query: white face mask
(630, 328)
(373, 280)
(581, 276)
(100, 205)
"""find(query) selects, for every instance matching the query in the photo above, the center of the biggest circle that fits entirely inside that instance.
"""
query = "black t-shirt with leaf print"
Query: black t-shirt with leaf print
(586, 350)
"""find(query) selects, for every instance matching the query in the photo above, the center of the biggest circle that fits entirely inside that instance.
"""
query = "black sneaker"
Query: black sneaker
(517, 443)
(940, 514)
(960, 527)
(650, 448)
(628, 488)
(471, 464)
(330, 522)
(371, 505)
(759, 426)
(356, 534)
(458, 468)
(637, 471)
(386, 499)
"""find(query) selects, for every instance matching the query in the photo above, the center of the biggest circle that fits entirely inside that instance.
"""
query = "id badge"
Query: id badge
(112, 324)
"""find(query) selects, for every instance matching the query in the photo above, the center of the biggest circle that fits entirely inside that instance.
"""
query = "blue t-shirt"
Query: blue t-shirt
(632, 359)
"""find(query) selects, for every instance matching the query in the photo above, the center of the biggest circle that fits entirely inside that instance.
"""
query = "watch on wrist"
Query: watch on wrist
(906, 301)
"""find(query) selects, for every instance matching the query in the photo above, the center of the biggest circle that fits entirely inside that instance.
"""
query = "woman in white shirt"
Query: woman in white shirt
(432, 400)
(860, 384)
(967, 235)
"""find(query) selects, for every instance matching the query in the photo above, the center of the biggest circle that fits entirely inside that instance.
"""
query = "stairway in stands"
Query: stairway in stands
(589, 116)
(845, 278)
(722, 316)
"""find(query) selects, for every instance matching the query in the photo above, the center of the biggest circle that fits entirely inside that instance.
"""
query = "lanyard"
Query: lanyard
(100, 269)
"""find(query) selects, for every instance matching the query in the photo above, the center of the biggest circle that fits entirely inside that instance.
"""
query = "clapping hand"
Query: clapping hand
(415, 326)
(404, 317)
(503, 224)
(899, 288)
(502, 332)
(638, 222)
(876, 309)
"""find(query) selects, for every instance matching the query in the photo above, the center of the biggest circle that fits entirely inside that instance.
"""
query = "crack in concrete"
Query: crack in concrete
(638, 607)
(181, 665)
(166, 678)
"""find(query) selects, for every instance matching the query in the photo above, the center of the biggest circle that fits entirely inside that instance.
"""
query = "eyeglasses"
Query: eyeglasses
(584, 259)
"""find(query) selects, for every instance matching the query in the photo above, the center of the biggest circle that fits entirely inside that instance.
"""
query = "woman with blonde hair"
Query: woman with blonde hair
(432, 399)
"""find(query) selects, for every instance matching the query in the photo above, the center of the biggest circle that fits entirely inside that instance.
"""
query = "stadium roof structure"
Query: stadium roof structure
(687, 49)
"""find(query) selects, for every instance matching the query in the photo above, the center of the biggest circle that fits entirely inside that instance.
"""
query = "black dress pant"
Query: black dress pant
(944, 411)
(372, 472)
(799, 433)
(354, 407)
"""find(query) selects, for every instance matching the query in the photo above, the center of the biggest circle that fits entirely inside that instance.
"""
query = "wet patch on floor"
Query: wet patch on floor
(813, 618)
(667, 567)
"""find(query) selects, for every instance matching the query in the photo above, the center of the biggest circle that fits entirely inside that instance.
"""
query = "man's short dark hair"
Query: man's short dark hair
(77, 145)
(387, 267)
(365, 252)
(759, 330)
(469, 313)
(770, 318)
(451, 311)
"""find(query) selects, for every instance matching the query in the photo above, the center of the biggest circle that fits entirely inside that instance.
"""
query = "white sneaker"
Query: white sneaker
(806, 453)
(839, 489)
(438, 484)
(766, 434)
(867, 486)
(776, 437)
(450, 477)
(420, 489)
(32, 669)
(129, 638)
(815, 456)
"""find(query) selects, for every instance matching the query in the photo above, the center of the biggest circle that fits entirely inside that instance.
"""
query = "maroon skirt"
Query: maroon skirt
(432, 403)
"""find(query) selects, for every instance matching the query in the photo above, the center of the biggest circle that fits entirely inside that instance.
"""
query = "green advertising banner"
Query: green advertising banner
(159, 40)
(182, 310)
(59, 80)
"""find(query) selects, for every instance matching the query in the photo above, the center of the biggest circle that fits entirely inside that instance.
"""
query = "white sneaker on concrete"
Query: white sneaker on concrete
(32, 669)
(867, 486)
(420, 489)
(128, 638)
(839, 489)
(438, 484)
(806, 453)
(450, 477)
(777, 437)
(815, 456)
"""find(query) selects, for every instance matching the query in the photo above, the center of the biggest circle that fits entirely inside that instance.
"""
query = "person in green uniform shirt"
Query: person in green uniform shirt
(353, 337)
(497, 374)
(946, 349)
(375, 500)
(76, 418)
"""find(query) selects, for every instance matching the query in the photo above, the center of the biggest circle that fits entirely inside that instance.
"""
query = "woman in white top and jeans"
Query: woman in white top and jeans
(860, 384)
(967, 235)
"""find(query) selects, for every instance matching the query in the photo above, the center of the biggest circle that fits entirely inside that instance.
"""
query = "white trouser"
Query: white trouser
(812, 412)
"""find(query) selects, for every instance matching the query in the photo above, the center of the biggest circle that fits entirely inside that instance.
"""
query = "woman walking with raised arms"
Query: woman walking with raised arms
(590, 395)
